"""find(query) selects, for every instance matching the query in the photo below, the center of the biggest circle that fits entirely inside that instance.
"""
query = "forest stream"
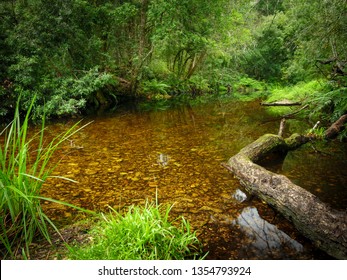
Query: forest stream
(131, 156)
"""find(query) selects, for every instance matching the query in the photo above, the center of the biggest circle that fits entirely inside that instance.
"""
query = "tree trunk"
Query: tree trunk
(326, 227)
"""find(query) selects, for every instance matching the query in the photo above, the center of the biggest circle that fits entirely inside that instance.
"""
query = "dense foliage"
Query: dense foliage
(81, 55)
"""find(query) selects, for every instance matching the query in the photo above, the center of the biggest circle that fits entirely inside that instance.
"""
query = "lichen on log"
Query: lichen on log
(326, 227)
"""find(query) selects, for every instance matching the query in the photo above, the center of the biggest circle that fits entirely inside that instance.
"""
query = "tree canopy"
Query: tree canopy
(76, 55)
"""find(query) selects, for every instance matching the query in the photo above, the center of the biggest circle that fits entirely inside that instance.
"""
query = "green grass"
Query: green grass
(303, 92)
(142, 233)
(327, 101)
(24, 167)
(299, 92)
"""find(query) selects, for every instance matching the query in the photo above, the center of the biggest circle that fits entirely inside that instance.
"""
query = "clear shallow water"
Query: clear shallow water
(176, 155)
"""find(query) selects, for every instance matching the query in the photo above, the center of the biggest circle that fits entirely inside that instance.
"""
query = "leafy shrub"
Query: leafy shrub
(247, 85)
(155, 89)
(66, 96)
(198, 85)
(158, 68)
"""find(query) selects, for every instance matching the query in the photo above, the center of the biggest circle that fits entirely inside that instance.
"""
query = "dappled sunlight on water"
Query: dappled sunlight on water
(176, 155)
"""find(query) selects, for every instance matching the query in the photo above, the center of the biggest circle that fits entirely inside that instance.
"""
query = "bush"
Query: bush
(247, 85)
(70, 95)
(155, 89)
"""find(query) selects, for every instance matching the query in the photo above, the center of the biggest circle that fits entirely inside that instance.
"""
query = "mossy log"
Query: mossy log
(326, 227)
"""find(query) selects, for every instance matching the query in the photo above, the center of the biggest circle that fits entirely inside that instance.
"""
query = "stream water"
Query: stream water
(132, 156)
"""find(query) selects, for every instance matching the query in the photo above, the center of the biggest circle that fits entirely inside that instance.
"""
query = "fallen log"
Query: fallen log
(336, 127)
(326, 227)
(281, 103)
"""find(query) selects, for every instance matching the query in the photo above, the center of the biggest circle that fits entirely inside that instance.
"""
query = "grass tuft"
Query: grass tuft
(142, 233)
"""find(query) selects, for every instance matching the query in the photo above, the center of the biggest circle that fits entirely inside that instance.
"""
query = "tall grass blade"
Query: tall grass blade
(21, 179)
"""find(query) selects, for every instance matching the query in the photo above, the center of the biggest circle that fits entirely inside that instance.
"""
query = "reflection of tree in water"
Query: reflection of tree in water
(264, 239)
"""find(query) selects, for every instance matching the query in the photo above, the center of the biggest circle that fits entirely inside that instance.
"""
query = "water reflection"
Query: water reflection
(328, 174)
(264, 239)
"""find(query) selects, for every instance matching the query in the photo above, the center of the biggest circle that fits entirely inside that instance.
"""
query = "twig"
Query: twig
(294, 113)
(315, 126)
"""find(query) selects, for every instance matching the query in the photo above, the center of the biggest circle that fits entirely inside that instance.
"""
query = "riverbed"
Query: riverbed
(175, 155)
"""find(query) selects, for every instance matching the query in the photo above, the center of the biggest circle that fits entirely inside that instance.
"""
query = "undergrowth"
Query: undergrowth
(329, 106)
(299, 92)
(326, 101)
